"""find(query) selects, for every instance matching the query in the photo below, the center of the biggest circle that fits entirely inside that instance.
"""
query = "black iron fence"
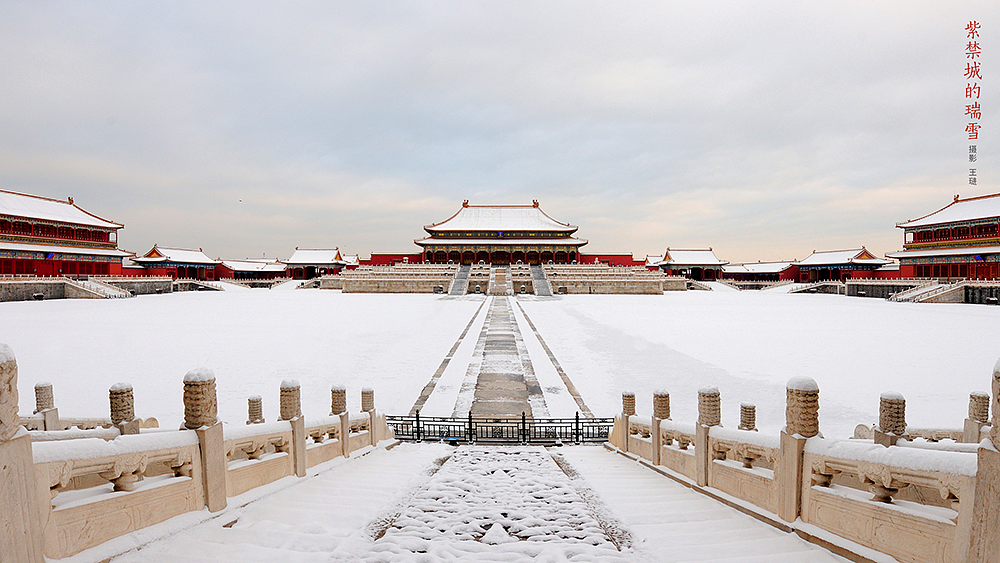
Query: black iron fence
(491, 430)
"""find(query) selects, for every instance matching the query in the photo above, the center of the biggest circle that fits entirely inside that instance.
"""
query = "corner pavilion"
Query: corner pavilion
(500, 234)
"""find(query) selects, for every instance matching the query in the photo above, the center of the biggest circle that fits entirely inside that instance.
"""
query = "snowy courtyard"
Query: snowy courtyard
(746, 343)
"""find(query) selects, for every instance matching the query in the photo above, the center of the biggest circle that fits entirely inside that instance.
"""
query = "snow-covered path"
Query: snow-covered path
(672, 523)
(306, 523)
(431, 503)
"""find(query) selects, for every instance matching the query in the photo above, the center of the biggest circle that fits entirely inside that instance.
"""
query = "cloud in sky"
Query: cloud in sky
(762, 129)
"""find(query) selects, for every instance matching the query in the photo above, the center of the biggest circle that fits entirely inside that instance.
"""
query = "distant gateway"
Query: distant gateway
(500, 234)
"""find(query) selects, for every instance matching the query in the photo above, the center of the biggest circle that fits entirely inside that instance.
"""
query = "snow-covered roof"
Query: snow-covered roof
(82, 250)
(500, 218)
(653, 260)
(350, 259)
(968, 209)
(176, 255)
(945, 252)
(309, 256)
(757, 268)
(254, 265)
(48, 209)
(835, 257)
(680, 257)
(572, 241)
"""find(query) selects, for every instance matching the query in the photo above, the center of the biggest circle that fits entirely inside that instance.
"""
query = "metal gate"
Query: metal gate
(521, 430)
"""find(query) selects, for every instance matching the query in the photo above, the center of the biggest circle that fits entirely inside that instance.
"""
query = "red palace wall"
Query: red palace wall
(49, 268)
(789, 273)
(390, 259)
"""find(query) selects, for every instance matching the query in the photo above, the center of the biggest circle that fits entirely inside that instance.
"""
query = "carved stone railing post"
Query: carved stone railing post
(801, 423)
(291, 410)
(367, 399)
(291, 400)
(979, 416)
(200, 403)
(201, 415)
(709, 414)
(43, 397)
(45, 405)
(338, 400)
(661, 405)
(21, 532)
(628, 403)
(748, 417)
(661, 411)
(628, 410)
(123, 408)
(891, 419)
(709, 406)
(984, 546)
(255, 409)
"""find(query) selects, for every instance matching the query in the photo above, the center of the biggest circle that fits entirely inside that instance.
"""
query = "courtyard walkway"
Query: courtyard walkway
(430, 502)
(507, 370)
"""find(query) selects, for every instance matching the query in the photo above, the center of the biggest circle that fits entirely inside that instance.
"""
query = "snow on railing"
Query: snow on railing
(909, 484)
(110, 477)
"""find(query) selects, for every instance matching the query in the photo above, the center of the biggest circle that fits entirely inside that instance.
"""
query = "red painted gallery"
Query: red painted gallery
(41, 236)
(960, 240)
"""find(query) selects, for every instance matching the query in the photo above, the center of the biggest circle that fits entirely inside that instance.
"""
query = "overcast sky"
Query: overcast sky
(762, 129)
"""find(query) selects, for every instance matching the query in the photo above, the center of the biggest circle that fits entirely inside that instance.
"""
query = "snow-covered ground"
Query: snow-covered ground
(251, 339)
(750, 343)
(746, 343)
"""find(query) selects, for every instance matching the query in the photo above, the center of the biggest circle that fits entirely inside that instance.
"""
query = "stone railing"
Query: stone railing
(70, 490)
(885, 490)
(46, 425)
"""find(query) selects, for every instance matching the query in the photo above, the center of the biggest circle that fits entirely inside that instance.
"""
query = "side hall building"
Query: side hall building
(40, 236)
(500, 234)
(177, 263)
(960, 240)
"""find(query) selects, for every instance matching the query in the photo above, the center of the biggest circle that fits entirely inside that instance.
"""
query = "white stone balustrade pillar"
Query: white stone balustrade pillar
(367, 399)
(709, 406)
(201, 409)
(628, 403)
(200, 404)
(979, 416)
(255, 409)
(123, 408)
(291, 399)
(748, 417)
(801, 423)
(338, 399)
(21, 531)
(291, 410)
(44, 399)
(891, 418)
(661, 405)
(45, 405)
(984, 546)
(709, 414)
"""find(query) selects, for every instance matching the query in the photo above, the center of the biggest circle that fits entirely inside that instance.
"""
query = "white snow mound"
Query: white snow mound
(6, 354)
(802, 384)
(199, 375)
(496, 535)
